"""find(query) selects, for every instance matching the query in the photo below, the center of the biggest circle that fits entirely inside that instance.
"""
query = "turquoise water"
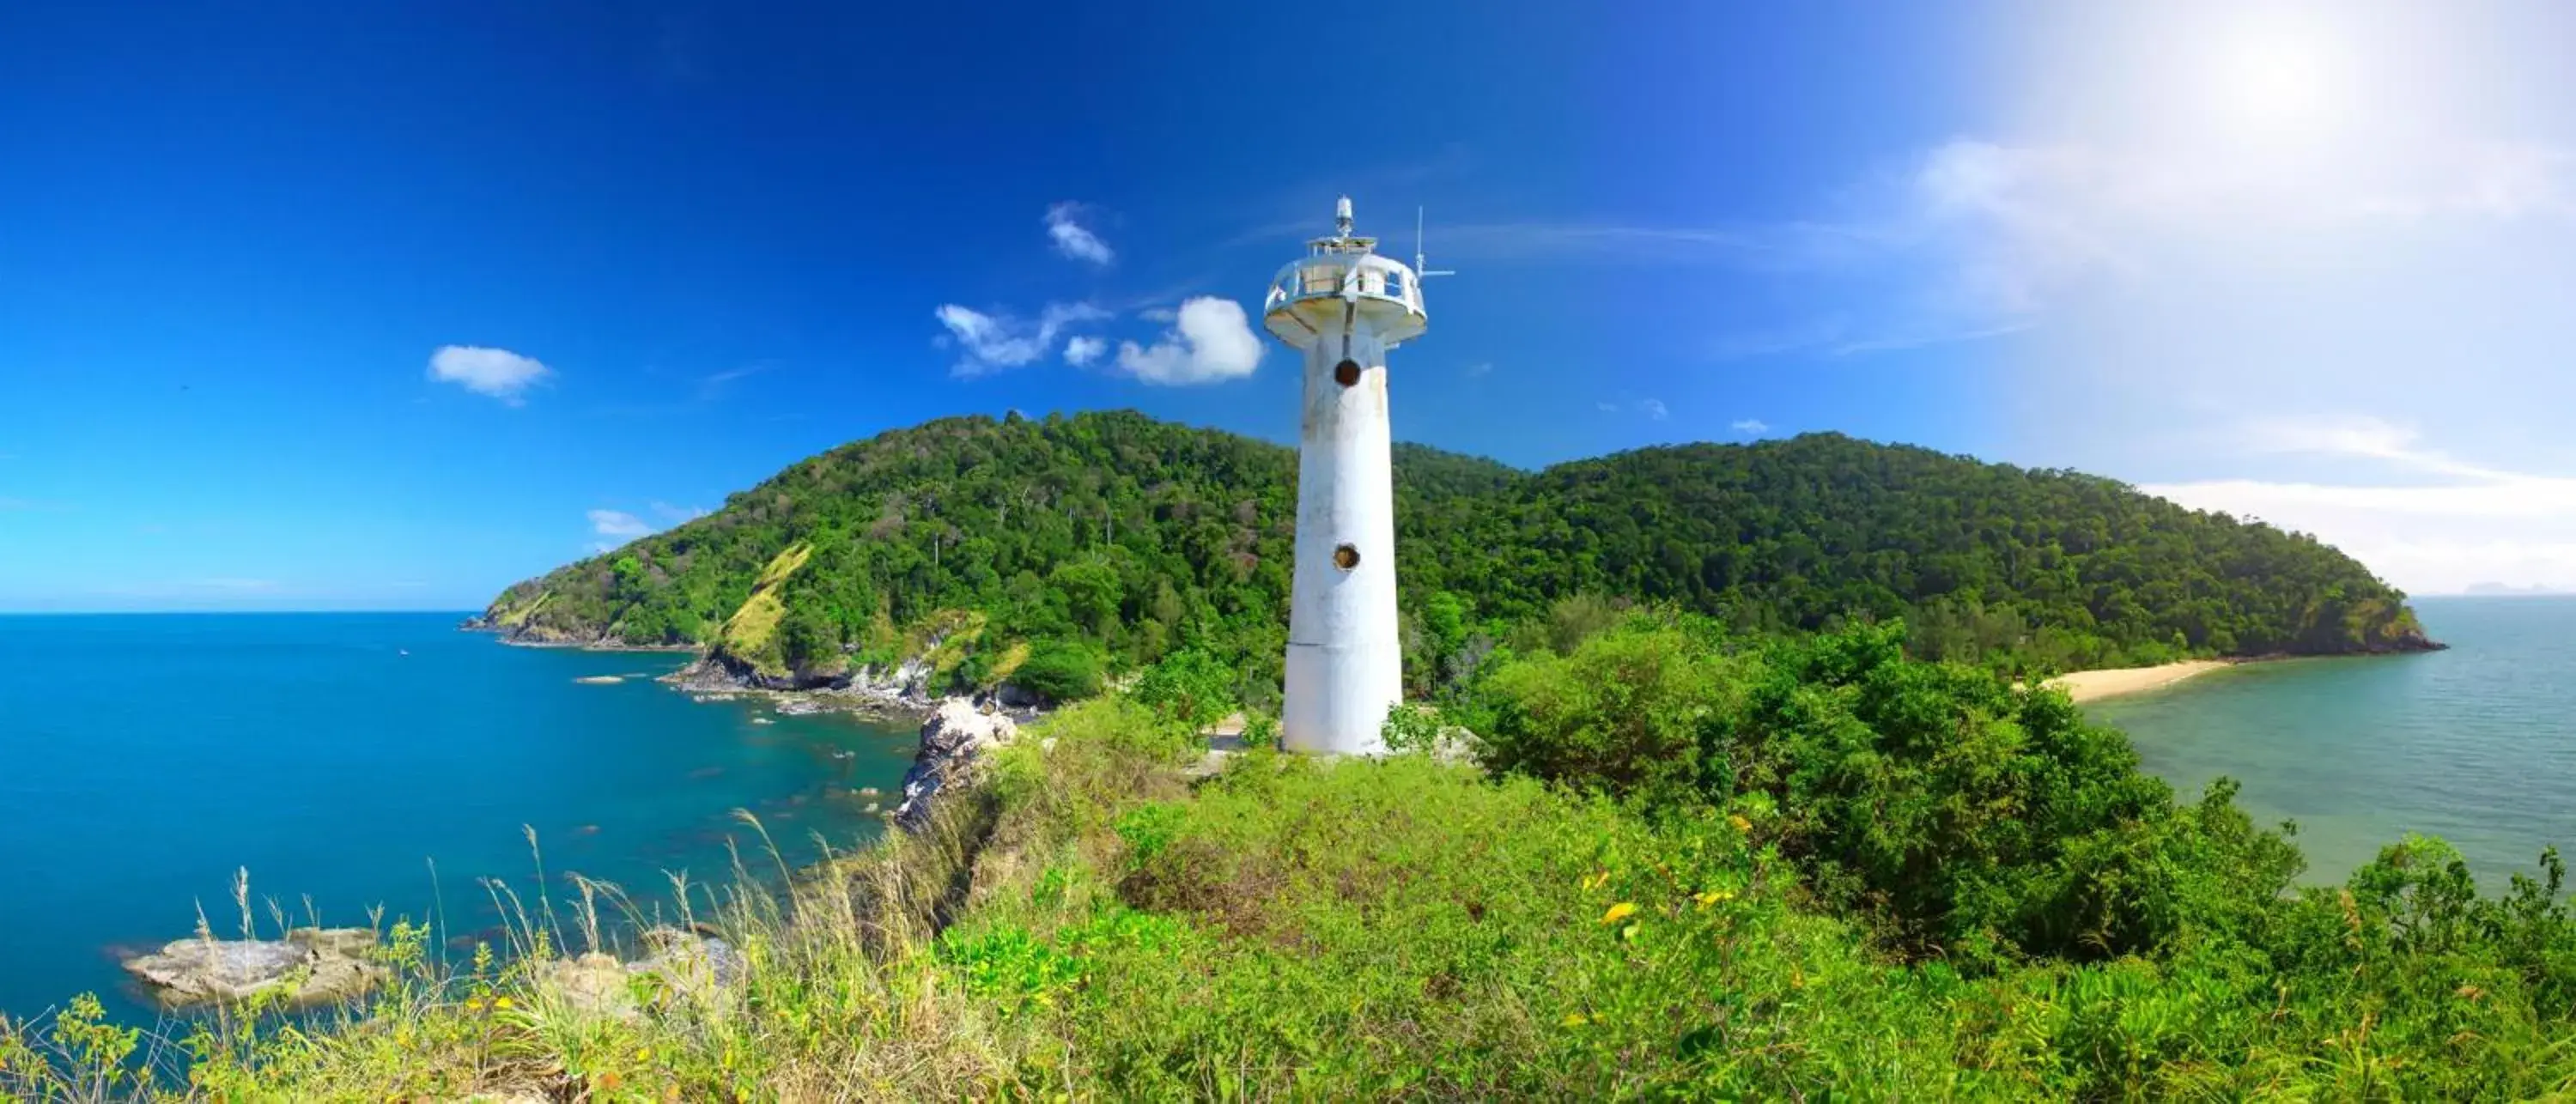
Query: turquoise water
(2476, 745)
(144, 758)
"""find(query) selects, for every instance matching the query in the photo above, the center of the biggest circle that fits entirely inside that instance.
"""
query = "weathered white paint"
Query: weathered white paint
(1345, 660)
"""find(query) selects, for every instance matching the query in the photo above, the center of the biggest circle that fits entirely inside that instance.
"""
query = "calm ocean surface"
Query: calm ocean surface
(2476, 745)
(144, 758)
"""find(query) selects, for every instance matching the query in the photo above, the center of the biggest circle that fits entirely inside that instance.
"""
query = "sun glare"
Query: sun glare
(2274, 83)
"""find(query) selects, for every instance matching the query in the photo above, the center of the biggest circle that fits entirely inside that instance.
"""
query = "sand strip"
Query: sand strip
(2084, 686)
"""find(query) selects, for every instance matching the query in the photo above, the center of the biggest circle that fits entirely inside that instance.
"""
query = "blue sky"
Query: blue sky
(365, 306)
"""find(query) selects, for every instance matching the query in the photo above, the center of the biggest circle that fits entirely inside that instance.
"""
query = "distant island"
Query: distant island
(2508, 589)
(975, 552)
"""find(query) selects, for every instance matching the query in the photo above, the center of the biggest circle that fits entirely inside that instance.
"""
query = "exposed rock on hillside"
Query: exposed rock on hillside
(954, 742)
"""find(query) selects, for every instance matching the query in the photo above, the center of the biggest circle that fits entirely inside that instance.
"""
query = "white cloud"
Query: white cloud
(1750, 427)
(1165, 315)
(1211, 341)
(1653, 409)
(993, 342)
(2469, 524)
(1072, 239)
(1079, 351)
(499, 373)
(618, 523)
(621, 526)
(1480, 368)
(236, 585)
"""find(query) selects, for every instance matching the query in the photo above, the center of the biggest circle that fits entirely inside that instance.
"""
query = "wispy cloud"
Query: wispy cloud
(1080, 351)
(621, 526)
(1652, 409)
(500, 373)
(999, 341)
(714, 384)
(1480, 368)
(1918, 341)
(1073, 239)
(618, 523)
(2441, 525)
(1750, 427)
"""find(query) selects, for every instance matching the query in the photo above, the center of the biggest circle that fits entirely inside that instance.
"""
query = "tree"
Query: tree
(1189, 687)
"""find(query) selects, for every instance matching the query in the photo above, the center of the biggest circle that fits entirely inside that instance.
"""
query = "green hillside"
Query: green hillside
(1128, 537)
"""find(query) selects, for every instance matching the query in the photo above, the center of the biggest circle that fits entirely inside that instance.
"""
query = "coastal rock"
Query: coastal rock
(695, 963)
(318, 966)
(594, 983)
(953, 743)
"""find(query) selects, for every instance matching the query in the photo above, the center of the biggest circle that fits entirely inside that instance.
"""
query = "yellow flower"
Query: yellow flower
(644, 1054)
(1575, 1019)
(474, 1004)
(1714, 896)
(500, 1002)
(1741, 824)
(1619, 912)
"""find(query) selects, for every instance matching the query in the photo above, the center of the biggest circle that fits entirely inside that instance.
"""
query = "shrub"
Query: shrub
(1189, 687)
(1060, 671)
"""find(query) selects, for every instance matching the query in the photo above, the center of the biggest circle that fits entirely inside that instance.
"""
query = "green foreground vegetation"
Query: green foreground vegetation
(1677, 861)
(1101, 542)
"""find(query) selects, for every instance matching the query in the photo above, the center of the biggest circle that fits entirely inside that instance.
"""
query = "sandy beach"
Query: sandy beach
(2084, 686)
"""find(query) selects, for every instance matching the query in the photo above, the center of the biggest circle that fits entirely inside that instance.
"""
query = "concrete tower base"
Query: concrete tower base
(1345, 661)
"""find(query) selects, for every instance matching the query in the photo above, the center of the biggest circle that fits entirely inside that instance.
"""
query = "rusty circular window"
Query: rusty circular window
(1347, 372)
(1346, 557)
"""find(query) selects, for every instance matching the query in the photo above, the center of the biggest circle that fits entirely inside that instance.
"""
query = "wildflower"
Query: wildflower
(1619, 912)
(608, 1080)
(473, 1004)
(500, 1003)
(1575, 1019)
(1741, 824)
(643, 1054)
(1712, 897)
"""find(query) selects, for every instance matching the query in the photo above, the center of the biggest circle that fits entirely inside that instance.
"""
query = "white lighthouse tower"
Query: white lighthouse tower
(1345, 306)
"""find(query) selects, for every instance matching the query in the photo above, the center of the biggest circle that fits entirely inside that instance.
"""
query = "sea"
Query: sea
(2475, 745)
(385, 762)
(388, 762)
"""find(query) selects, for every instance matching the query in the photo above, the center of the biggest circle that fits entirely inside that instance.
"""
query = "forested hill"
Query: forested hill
(1113, 538)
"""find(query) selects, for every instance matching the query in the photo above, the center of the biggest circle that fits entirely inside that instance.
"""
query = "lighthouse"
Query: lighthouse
(1344, 307)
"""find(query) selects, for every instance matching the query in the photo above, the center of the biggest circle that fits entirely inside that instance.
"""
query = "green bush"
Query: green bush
(1189, 687)
(1059, 671)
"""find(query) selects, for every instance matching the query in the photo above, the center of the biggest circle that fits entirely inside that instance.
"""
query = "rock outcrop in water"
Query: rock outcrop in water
(313, 965)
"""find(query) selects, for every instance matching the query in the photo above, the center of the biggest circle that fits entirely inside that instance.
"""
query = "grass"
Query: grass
(1092, 924)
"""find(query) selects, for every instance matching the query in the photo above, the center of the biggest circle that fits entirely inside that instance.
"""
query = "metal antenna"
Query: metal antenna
(1420, 266)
